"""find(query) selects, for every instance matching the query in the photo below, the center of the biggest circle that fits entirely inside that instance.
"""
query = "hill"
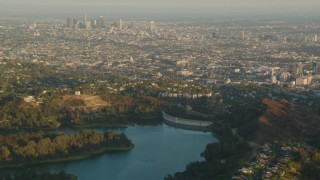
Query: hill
(85, 101)
(247, 127)
(282, 120)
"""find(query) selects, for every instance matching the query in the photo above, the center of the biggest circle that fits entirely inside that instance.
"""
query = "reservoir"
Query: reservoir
(159, 150)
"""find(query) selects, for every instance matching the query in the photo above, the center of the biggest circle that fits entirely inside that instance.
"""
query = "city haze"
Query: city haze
(158, 8)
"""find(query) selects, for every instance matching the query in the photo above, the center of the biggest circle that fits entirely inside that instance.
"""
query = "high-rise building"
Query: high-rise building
(120, 24)
(299, 70)
(85, 20)
(88, 25)
(101, 22)
(315, 38)
(273, 77)
(243, 35)
(152, 26)
(131, 25)
(75, 23)
(94, 23)
(285, 39)
(70, 22)
(33, 25)
(314, 67)
(284, 77)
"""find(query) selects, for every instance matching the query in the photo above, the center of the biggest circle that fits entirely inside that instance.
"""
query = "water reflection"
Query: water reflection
(159, 150)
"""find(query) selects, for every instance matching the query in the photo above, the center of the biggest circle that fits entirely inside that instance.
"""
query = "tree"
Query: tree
(110, 135)
(62, 143)
(43, 147)
(317, 157)
(303, 155)
(310, 171)
(26, 152)
(4, 153)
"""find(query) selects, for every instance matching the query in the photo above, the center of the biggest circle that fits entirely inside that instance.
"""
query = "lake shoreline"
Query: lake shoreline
(95, 126)
(71, 158)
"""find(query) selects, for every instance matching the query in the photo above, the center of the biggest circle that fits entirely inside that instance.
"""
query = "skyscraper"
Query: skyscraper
(315, 38)
(101, 22)
(273, 77)
(85, 20)
(120, 24)
(314, 67)
(75, 23)
(88, 25)
(152, 26)
(299, 70)
(94, 23)
(34, 24)
(69, 22)
(243, 35)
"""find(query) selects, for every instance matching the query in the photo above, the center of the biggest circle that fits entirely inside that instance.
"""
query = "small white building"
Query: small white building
(29, 99)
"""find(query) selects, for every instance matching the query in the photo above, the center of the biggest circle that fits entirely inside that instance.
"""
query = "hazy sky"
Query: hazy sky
(18, 7)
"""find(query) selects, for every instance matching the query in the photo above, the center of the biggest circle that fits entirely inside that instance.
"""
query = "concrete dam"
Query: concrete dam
(186, 123)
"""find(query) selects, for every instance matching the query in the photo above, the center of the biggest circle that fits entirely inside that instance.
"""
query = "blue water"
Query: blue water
(159, 150)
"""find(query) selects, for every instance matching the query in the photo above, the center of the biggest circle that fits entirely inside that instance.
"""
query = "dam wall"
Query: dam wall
(186, 123)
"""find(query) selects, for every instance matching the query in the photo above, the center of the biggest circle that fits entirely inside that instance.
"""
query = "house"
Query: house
(246, 170)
